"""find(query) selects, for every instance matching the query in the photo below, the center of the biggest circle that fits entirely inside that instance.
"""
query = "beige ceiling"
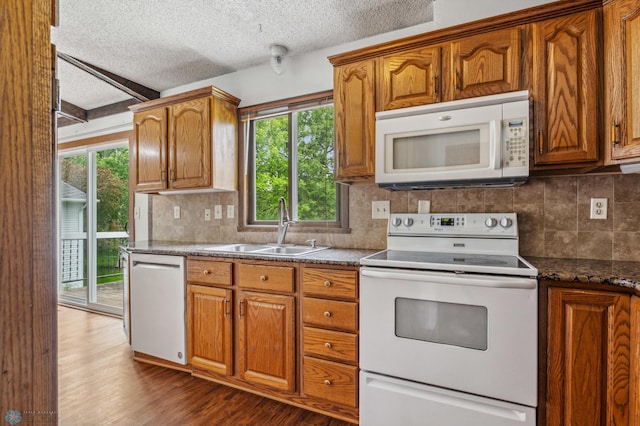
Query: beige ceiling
(163, 44)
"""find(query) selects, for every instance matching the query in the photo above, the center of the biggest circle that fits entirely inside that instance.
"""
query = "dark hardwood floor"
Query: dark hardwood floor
(100, 384)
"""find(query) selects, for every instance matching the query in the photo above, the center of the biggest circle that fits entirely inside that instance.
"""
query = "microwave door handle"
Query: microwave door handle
(495, 136)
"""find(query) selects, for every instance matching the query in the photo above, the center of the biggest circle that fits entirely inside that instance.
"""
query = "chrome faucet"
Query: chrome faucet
(283, 220)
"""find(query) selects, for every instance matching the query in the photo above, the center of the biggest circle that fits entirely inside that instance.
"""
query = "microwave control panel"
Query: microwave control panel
(515, 142)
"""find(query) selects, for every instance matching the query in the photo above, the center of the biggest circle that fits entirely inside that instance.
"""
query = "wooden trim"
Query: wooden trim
(289, 101)
(96, 140)
(132, 88)
(186, 96)
(508, 20)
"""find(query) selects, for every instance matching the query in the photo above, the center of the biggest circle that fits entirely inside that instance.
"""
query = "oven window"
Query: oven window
(439, 322)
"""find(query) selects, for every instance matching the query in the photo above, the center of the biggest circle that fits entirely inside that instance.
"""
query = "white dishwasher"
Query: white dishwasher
(158, 297)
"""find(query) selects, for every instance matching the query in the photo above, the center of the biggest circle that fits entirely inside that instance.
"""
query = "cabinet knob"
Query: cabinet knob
(327, 283)
(327, 345)
(327, 314)
(206, 272)
(263, 277)
(327, 382)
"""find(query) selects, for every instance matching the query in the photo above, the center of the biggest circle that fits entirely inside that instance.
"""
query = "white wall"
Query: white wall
(308, 73)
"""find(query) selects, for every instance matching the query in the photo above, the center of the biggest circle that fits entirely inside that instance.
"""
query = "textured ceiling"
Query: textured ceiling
(167, 43)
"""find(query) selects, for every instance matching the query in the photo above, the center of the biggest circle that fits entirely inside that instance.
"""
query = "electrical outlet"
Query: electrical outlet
(217, 211)
(424, 206)
(136, 212)
(230, 211)
(598, 208)
(207, 214)
(380, 209)
(176, 212)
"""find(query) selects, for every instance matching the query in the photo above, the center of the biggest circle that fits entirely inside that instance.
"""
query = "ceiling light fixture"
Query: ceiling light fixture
(277, 58)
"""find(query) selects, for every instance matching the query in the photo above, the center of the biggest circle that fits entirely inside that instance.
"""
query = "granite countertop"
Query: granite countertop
(615, 273)
(331, 256)
(588, 271)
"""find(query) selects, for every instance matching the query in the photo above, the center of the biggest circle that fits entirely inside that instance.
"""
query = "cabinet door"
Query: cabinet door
(481, 65)
(354, 105)
(209, 328)
(587, 358)
(634, 391)
(622, 80)
(190, 144)
(565, 89)
(266, 339)
(410, 79)
(149, 150)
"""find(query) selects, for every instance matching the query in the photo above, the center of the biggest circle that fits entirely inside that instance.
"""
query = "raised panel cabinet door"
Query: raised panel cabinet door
(566, 89)
(149, 150)
(634, 391)
(622, 80)
(266, 340)
(410, 79)
(210, 329)
(587, 358)
(354, 106)
(481, 65)
(190, 144)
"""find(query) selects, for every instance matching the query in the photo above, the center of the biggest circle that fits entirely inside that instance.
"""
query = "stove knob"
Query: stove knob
(408, 222)
(490, 222)
(505, 222)
(396, 221)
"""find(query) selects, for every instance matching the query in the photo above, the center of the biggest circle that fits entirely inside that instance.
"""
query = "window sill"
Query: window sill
(296, 229)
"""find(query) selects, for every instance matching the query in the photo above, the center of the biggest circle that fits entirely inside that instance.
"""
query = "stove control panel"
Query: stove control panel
(500, 225)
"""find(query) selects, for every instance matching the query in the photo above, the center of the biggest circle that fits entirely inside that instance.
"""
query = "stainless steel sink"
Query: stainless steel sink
(264, 249)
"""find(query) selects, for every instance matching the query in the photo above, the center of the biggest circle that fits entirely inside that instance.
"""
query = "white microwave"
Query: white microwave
(472, 142)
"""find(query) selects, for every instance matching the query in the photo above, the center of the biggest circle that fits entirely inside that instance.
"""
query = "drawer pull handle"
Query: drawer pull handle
(327, 314)
(327, 345)
(327, 283)
(263, 277)
(206, 272)
(327, 382)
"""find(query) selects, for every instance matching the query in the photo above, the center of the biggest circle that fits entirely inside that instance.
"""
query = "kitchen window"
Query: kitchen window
(289, 152)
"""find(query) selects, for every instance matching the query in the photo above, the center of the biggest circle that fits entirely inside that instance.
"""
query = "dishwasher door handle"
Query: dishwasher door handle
(150, 265)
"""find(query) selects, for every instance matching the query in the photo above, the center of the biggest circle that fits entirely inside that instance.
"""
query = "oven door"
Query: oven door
(466, 332)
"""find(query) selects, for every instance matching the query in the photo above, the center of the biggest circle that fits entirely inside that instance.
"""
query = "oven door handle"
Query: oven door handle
(495, 282)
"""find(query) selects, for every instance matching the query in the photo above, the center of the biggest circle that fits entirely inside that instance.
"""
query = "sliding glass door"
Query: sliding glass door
(93, 216)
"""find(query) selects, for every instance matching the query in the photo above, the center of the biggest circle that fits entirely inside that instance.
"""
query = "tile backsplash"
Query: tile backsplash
(553, 216)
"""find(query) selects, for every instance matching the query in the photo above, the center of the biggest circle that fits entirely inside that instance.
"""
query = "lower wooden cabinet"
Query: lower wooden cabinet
(332, 381)
(209, 328)
(588, 354)
(266, 339)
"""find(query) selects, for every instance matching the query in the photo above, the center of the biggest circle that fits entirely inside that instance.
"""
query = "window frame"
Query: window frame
(247, 166)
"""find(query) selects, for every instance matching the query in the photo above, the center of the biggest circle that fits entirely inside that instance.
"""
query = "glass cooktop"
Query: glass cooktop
(455, 262)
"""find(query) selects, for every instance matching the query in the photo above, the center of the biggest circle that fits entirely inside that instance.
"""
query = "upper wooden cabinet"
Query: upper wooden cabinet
(409, 79)
(185, 142)
(354, 105)
(485, 64)
(566, 90)
(622, 81)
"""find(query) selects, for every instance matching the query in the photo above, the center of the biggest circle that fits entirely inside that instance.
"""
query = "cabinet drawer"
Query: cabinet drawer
(331, 344)
(329, 283)
(209, 272)
(260, 277)
(331, 381)
(330, 313)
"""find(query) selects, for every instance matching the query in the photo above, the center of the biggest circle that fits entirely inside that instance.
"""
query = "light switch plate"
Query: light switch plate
(176, 212)
(231, 211)
(598, 208)
(136, 212)
(207, 214)
(380, 209)
(217, 211)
